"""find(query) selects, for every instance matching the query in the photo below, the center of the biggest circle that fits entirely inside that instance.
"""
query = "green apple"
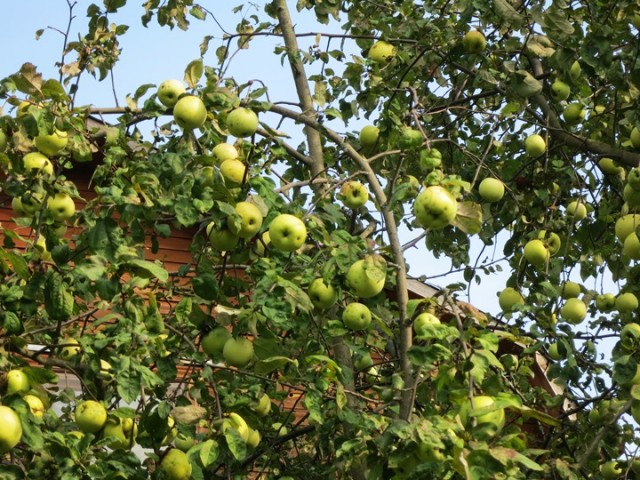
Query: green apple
(630, 336)
(610, 167)
(242, 122)
(224, 151)
(362, 361)
(175, 465)
(575, 71)
(222, 239)
(536, 252)
(213, 342)
(287, 232)
(574, 311)
(281, 430)
(36, 406)
(435, 207)
(491, 190)
(51, 144)
(369, 135)
(626, 302)
(238, 423)
(253, 440)
(17, 382)
(560, 90)
(61, 207)
(322, 296)
(423, 320)
(91, 416)
(183, 442)
(170, 91)
(634, 136)
(413, 185)
(263, 407)
(122, 432)
(474, 42)
(626, 224)
(70, 350)
(633, 178)
(631, 246)
(510, 298)
(551, 240)
(605, 302)
(555, 352)
(251, 219)
(366, 277)
(410, 138)
(494, 418)
(534, 145)
(35, 162)
(353, 194)
(28, 204)
(574, 113)
(570, 290)
(430, 158)
(3, 141)
(238, 352)
(631, 196)
(11, 431)
(233, 171)
(190, 112)
(356, 316)
(611, 470)
(381, 52)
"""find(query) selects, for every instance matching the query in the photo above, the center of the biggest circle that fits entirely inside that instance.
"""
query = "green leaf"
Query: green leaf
(508, 14)
(150, 268)
(540, 416)
(128, 380)
(469, 218)
(193, 73)
(508, 454)
(236, 445)
(313, 404)
(525, 84)
(207, 452)
(268, 365)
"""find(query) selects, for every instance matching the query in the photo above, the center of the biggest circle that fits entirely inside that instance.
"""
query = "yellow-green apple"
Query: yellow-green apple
(369, 135)
(362, 361)
(238, 352)
(551, 240)
(556, 352)
(356, 316)
(574, 310)
(631, 196)
(631, 246)
(28, 204)
(213, 342)
(626, 225)
(536, 252)
(36, 406)
(61, 207)
(413, 185)
(381, 51)
(233, 171)
(280, 428)
(635, 137)
(251, 219)
(570, 289)
(494, 418)
(17, 382)
(605, 302)
(11, 431)
(410, 138)
(224, 151)
(366, 277)
(491, 190)
(575, 71)
(560, 90)
(422, 321)
(221, 239)
(535, 145)
(183, 442)
(430, 158)
(41, 246)
(106, 370)
(121, 431)
(610, 167)
(207, 176)
(353, 194)
(172, 431)
(611, 470)
(235, 421)
(287, 232)
(253, 439)
(574, 113)
(435, 207)
(70, 350)
(51, 144)
(322, 296)
(626, 302)
(474, 42)
(630, 336)
(190, 112)
(510, 298)
(263, 406)
(91, 416)
(175, 465)
(35, 162)
(3, 140)
(633, 178)
(242, 122)
(170, 91)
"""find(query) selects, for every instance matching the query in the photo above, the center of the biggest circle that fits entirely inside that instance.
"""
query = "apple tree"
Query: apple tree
(292, 344)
